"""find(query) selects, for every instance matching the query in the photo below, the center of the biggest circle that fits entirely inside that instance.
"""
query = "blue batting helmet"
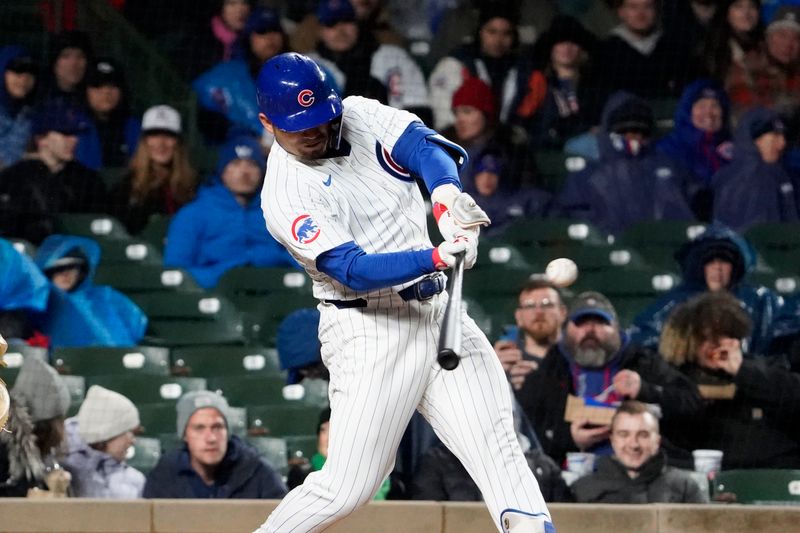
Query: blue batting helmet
(295, 94)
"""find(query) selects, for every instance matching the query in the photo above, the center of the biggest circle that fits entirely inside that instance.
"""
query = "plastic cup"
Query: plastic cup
(707, 461)
(580, 463)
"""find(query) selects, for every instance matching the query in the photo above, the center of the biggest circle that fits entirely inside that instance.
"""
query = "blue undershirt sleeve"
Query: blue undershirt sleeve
(353, 267)
(429, 159)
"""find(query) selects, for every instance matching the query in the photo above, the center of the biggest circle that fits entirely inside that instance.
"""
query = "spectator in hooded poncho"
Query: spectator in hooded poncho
(80, 313)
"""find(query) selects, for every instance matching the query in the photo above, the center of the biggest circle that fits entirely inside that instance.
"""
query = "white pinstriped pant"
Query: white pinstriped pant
(383, 366)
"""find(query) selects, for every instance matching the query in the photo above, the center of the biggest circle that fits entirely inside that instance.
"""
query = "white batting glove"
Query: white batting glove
(444, 256)
(466, 213)
(448, 226)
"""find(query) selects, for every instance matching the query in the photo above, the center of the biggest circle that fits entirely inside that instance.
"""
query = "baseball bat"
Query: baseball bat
(449, 349)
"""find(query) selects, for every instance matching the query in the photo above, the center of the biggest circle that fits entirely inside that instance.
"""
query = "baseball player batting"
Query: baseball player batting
(339, 194)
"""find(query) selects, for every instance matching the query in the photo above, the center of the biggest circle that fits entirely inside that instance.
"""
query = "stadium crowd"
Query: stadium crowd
(685, 111)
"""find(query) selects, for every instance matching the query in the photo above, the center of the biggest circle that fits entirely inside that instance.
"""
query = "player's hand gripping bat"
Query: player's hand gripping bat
(449, 349)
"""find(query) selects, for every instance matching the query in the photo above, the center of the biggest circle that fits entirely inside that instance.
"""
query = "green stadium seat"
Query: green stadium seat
(157, 418)
(76, 385)
(247, 390)
(141, 388)
(547, 232)
(92, 225)
(155, 232)
(554, 166)
(237, 421)
(627, 282)
(178, 319)
(495, 282)
(112, 176)
(759, 486)
(301, 446)
(137, 278)
(280, 421)
(782, 235)
(128, 252)
(497, 254)
(274, 450)
(597, 257)
(783, 284)
(259, 281)
(170, 441)
(96, 360)
(144, 454)
(14, 358)
(479, 314)
(211, 361)
(658, 240)
(268, 311)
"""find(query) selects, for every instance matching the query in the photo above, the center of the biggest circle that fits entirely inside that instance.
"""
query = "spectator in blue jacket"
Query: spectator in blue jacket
(23, 289)
(631, 181)
(80, 313)
(224, 227)
(211, 463)
(226, 93)
(717, 260)
(755, 187)
(17, 89)
(700, 139)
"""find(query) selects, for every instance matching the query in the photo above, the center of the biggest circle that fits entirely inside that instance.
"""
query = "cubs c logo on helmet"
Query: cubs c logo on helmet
(304, 229)
(305, 97)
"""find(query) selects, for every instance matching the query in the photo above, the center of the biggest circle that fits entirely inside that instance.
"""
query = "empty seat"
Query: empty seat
(301, 446)
(125, 252)
(246, 390)
(658, 240)
(547, 232)
(99, 360)
(92, 225)
(211, 361)
(280, 421)
(759, 486)
(596, 257)
(140, 388)
(14, 358)
(498, 254)
(137, 278)
(273, 449)
(155, 232)
(263, 280)
(144, 454)
(157, 418)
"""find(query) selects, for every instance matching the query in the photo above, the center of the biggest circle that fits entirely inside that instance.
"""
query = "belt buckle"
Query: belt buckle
(428, 287)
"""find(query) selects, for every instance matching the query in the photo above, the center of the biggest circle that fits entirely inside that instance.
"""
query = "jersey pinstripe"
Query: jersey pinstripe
(348, 198)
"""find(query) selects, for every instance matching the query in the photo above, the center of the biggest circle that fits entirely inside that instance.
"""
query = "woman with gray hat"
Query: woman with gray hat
(99, 438)
(35, 431)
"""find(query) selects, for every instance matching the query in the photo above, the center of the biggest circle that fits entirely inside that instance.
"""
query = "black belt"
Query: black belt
(424, 289)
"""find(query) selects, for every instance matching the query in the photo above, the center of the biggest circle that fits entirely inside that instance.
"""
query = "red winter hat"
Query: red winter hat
(475, 93)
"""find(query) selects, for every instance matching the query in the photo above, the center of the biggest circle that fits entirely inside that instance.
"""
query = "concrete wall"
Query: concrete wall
(230, 516)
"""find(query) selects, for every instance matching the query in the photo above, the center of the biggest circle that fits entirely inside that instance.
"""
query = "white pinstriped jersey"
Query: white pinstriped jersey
(365, 197)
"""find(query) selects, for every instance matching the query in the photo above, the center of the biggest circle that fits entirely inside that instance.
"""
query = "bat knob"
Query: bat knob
(448, 359)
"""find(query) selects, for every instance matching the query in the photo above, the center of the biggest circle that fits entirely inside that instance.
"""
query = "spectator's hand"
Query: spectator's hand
(586, 436)
(508, 353)
(628, 383)
(727, 357)
(520, 371)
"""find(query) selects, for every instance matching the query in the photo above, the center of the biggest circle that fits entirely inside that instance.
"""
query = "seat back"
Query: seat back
(760, 486)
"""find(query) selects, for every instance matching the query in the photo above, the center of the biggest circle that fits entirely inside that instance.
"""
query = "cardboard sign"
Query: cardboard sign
(717, 392)
(595, 412)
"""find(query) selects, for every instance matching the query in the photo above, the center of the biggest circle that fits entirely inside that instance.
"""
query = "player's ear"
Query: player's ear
(266, 123)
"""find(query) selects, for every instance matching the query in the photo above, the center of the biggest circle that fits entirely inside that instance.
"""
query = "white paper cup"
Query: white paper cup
(580, 463)
(707, 461)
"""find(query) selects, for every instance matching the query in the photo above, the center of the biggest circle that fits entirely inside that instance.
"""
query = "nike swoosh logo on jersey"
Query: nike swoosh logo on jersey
(327, 182)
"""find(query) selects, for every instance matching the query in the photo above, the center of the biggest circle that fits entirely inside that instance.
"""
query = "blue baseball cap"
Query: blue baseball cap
(242, 147)
(263, 20)
(489, 162)
(331, 12)
(592, 303)
(61, 116)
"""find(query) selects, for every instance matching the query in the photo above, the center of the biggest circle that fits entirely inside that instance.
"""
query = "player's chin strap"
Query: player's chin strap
(516, 521)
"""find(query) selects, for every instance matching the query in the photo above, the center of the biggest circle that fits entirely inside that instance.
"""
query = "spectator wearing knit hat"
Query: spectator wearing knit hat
(224, 227)
(755, 188)
(35, 430)
(477, 128)
(99, 438)
(631, 181)
(211, 463)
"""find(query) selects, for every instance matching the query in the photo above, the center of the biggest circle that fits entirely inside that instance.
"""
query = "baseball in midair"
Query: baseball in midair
(561, 272)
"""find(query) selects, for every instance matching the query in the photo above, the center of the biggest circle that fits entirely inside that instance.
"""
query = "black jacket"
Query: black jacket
(758, 427)
(31, 197)
(442, 477)
(656, 483)
(242, 474)
(543, 396)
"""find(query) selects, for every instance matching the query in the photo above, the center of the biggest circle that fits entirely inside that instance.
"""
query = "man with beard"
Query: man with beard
(539, 317)
(594, 360)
